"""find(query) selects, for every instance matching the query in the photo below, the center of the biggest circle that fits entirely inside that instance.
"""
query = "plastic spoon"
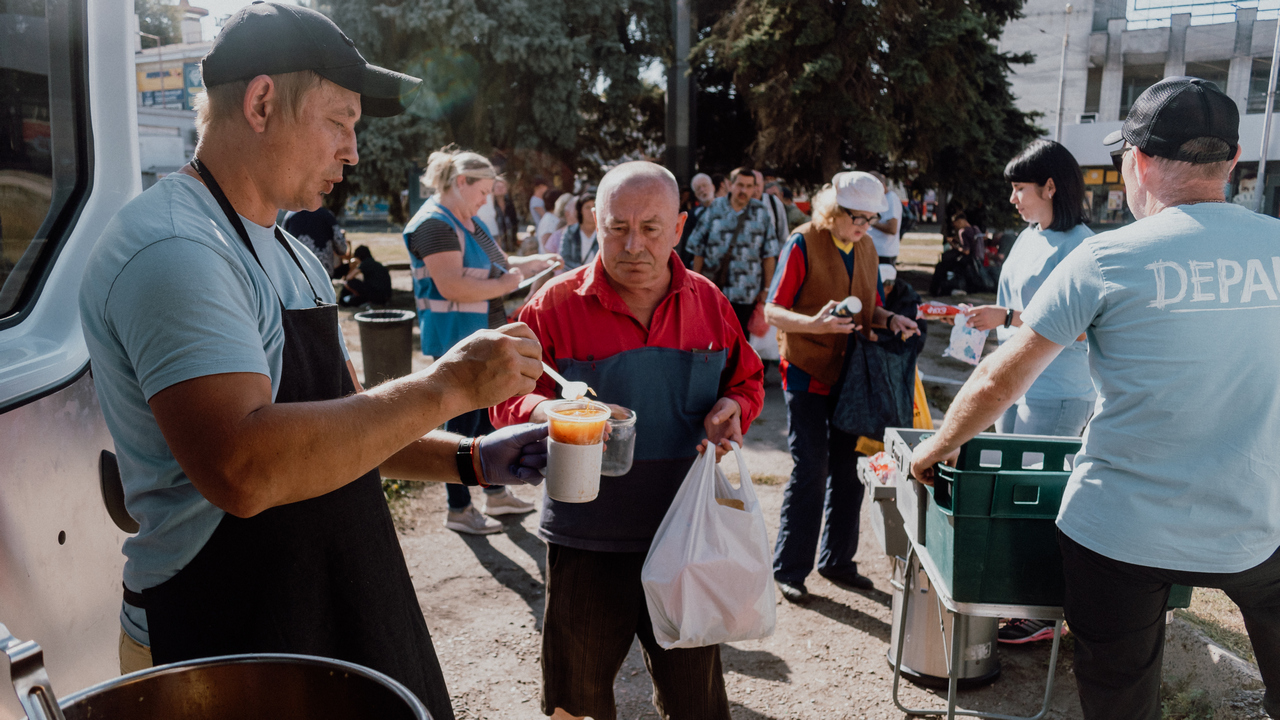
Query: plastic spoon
(568, 390)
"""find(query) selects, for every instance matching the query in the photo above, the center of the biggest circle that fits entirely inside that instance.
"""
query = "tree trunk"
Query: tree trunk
(830, 163)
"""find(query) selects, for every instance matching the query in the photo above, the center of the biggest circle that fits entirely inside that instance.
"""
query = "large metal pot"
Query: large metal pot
(239, 687)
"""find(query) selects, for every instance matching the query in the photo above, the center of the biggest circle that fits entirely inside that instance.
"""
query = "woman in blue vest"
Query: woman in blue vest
(460, 276)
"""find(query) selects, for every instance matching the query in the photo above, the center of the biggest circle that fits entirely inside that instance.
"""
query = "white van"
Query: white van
(68, 161)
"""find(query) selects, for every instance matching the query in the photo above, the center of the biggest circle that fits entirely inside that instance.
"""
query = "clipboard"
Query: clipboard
(527, 282)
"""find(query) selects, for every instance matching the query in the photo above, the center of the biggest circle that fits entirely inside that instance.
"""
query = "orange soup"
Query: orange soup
(578, 423)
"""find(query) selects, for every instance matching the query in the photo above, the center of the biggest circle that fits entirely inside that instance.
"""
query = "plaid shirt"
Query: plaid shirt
(756, 241)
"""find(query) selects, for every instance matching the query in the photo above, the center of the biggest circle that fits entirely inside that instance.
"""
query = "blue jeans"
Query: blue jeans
(824, 485)
(469, 424)
(1065, 418)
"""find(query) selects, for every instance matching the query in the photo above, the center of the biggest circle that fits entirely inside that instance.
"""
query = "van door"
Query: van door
(68, 162)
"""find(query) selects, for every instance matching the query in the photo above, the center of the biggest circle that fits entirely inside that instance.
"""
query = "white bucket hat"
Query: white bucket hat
(859, 191)
(888, 273)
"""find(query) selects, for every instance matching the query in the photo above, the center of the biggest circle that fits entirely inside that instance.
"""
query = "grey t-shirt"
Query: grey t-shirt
(171, 293)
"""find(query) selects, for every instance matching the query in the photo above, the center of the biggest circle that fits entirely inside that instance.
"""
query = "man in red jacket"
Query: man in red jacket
(645, 334)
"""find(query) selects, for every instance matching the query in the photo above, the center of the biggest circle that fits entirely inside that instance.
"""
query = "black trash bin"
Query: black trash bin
(386, 343)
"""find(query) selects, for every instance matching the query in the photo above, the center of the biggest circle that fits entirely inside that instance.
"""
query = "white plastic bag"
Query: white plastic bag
(708, 577)
(966, 343)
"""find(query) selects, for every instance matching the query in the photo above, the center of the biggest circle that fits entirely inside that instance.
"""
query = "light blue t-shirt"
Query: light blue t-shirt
(1034, 255)
(1180, 467)
(171, 293)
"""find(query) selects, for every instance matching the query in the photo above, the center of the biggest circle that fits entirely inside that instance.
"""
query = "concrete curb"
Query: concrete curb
(1231, 683)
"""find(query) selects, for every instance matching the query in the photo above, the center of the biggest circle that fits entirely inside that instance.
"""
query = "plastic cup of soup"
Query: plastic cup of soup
(578, 422)
(575, 450)
(620, 448)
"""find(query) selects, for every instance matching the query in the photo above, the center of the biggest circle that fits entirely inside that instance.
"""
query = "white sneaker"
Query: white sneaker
(470, 521)
(506, 504)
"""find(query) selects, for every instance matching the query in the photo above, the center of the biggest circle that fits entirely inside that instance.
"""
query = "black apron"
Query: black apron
(323, 576)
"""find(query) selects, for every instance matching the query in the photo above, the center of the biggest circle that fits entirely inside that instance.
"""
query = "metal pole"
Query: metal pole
(158, 51)
(1261, 187)
(680, 95)
(1062, 72)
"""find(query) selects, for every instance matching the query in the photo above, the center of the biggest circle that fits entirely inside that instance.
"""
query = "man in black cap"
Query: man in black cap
(249, 455)
(1178, 479)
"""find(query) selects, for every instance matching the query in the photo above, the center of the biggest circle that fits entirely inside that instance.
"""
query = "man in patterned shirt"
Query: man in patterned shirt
(736, 245)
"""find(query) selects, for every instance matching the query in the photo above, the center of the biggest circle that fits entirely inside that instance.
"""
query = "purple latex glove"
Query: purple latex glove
(513, 455)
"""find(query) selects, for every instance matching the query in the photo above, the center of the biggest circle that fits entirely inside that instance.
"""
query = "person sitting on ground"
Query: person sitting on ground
(959, 271)
(368, 282)
(651, 336)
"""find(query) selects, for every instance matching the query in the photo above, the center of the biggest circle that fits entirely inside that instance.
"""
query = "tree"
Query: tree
(550, 87)
(158, 18)
(914, 87)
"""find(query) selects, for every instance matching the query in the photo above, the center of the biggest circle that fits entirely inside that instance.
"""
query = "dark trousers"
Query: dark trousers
(469, 424)
(595, 608)
(743, 311)
(1116, 613)
(823, 486)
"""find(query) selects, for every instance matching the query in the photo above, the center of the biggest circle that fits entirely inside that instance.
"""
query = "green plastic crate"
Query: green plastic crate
(989, 522)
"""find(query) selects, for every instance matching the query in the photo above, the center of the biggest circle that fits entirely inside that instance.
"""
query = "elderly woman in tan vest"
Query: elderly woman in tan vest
(824, 262)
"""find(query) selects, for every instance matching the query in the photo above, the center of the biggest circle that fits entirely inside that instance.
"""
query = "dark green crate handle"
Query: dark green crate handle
(1012, 449)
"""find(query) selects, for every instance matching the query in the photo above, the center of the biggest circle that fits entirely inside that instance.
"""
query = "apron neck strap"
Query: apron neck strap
(233, 217)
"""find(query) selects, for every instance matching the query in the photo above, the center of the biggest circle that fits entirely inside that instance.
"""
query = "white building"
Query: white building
(1115, 52)
(168, 78)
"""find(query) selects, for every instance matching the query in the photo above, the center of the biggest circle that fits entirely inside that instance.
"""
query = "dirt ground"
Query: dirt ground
(483, 601)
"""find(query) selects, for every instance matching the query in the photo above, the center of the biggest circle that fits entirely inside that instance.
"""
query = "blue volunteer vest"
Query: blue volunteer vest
(442, 322)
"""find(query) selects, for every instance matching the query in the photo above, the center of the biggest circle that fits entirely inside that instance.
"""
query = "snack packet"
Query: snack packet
(933, 310)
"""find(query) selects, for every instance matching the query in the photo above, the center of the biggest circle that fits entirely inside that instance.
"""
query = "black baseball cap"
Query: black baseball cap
(1178, 109)
(267, 38)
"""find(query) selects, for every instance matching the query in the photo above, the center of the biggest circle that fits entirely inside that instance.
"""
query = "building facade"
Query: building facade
(168, 83)
(1115, 52)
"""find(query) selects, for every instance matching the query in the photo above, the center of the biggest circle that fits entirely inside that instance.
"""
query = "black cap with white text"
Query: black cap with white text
(1176, 110)
(266, 38)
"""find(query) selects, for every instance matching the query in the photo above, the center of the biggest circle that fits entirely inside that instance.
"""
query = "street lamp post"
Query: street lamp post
(1062, 72)
(164, 98)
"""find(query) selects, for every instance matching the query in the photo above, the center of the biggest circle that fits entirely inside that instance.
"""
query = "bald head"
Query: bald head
(638, 213)
(640, 176)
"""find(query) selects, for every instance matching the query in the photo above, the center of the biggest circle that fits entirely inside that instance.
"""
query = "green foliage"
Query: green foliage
(1180, 701)
(554, 88)
(158, 18)
(914, 87)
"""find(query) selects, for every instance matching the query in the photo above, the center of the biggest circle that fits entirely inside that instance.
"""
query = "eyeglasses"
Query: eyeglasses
(1117, 156)
(858, 220)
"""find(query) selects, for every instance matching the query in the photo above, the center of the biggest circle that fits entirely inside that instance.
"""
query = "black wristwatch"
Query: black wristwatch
(466, 470)
(1008, 317)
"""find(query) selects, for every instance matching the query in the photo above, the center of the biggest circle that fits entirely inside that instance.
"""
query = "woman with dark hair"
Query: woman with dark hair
(1048, 192)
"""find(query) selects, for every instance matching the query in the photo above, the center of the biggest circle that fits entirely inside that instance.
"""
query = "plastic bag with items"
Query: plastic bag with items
(708, 577)
(966, 343)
